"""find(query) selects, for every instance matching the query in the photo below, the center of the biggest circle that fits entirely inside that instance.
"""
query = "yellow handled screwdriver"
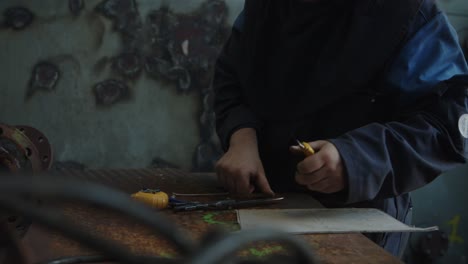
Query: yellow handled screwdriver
(154, 198)
(306, 148)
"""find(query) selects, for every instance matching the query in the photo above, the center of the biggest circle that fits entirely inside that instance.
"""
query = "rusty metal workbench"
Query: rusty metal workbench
(46, 245)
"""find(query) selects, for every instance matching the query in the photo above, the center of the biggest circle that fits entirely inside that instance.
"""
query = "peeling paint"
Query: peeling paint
(111, 91)
(128, 64)
(44, 77)
(18, 18)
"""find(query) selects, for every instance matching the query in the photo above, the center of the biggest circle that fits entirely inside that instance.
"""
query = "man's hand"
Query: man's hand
(240, 169)
(322, 172)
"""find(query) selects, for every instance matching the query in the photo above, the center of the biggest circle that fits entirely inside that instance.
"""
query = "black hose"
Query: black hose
(224, 247)
(55, 221)
(99, 195)
(98, 258)
(80, 259)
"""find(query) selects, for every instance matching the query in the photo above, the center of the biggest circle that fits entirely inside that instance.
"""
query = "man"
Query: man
(378, 87)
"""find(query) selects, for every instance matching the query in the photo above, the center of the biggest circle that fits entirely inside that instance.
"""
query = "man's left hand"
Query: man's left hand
(322, 172)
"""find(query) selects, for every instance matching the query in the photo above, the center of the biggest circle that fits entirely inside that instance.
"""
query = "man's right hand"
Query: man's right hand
(240, 169)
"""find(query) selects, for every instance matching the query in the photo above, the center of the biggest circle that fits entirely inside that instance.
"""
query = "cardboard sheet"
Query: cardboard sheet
(308, 221)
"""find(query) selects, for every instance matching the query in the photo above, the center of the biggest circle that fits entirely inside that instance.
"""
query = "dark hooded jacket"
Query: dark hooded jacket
(384, 80)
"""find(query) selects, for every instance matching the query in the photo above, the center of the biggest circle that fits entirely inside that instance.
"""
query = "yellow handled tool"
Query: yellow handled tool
(306, 148)
(154, 198)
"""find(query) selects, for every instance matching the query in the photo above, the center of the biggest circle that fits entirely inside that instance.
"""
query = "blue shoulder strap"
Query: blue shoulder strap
(432, 55)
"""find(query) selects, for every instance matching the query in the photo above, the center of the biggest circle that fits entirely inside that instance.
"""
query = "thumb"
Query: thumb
(262, 183)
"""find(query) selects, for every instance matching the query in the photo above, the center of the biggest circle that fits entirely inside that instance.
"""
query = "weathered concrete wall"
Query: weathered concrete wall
(157, 120)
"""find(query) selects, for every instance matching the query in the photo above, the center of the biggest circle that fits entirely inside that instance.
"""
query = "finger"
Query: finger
(328, 185)
(331, 189)
(221, 178)
(222, 181)
(307, 179)
(225, 178)
(320, 186)
(251, 188)
(219, 171)
(262, 183)
(295, 150)
(242, 183)
(317, 145)
(231, 184)
(311, 164)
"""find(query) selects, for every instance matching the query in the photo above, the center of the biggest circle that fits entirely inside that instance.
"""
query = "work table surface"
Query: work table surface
(46, 245)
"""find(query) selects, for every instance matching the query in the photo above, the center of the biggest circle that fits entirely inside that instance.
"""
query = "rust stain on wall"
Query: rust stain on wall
(18, 17)
(174, 47)
(44, 77)
(111, 91)
(179, 49)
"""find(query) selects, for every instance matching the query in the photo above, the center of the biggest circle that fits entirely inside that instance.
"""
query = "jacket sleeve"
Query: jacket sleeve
(428, 138)
(231, 111)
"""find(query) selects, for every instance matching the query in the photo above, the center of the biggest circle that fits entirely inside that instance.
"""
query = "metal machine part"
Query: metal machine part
(433, 245)
(428, 248)
(22, 149)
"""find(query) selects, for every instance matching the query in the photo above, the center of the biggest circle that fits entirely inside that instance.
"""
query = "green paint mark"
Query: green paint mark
(166, 255)
(209, 218)
(266, 251)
